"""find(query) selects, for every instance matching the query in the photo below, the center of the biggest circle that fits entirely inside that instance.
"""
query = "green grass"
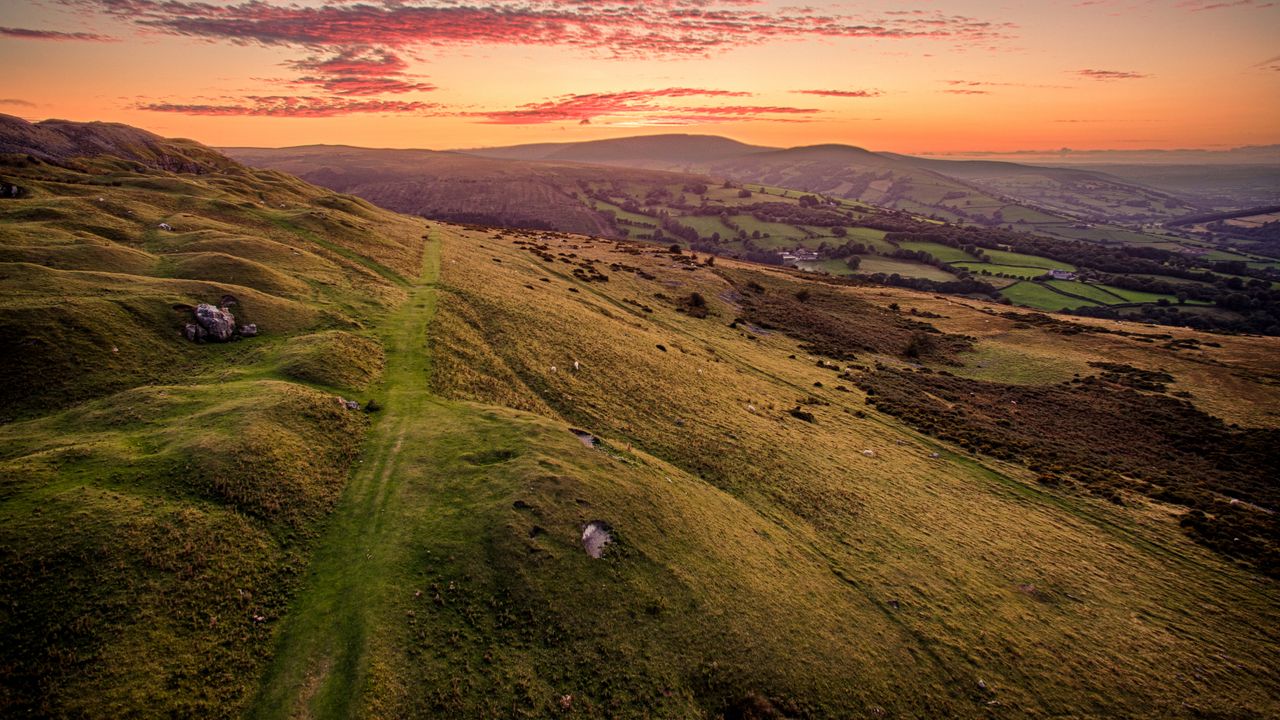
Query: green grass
(214, 536)
(1097, 293)
(1004, 257)
(707, 225)
(877, 264)
(621, 214)
(945, 253)
(1040, 297)
(1137, 296)
(321, 659)
(1021, 271)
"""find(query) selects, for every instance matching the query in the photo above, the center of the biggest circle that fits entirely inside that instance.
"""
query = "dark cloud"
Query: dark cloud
(28, 34)
(1111, 74)
(842, 93)
(293, 106)
(1202, 5)
(16, 102)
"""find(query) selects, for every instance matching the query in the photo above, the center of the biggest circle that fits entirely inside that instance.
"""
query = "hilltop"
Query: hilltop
(823, 497)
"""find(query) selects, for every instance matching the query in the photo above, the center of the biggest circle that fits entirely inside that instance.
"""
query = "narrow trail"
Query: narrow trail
(323, 648)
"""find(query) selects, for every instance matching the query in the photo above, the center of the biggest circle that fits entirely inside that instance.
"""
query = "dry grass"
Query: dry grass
(1061, 603)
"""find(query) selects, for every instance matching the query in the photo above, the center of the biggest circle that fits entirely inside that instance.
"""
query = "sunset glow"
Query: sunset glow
(947, 76)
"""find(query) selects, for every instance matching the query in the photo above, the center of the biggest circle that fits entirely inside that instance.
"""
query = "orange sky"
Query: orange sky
(935, 76)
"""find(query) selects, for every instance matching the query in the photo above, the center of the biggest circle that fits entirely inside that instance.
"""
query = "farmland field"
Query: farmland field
(1040, 297)
(1015, 270)
(872, 264)
(1004, 257)
(945, 253)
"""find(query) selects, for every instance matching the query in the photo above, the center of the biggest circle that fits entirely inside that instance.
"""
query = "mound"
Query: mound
(147, 586)
(334, 358)
(58, 141)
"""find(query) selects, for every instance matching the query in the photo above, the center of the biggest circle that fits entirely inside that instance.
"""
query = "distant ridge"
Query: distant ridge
(666, 150)
(58, 141)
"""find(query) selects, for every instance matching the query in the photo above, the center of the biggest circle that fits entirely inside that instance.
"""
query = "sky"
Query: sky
(933, 76)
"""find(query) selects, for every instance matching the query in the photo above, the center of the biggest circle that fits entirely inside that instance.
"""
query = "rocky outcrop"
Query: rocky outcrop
(213, 324)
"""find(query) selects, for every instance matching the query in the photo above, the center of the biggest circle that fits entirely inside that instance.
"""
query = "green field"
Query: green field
(1015, 270)
(778, 232)
(1040, 297)
(1137, 296)
(872, 264)
(707, 225)
(1004, 257)
(1097, 293)
(625, 215)
(945, 253)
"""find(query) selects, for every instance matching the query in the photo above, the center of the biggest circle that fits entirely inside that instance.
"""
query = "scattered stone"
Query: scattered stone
(800, 414)
(249, 330)
(869, 453)
(166, 226)
(595, 536)
(585, 437)
(934, 455)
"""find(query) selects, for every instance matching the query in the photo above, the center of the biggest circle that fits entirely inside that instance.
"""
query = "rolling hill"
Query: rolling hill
(822, 499)
(457, 187)
(1046, 197)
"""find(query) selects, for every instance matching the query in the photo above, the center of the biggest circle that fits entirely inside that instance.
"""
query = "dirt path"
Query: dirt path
(323, 648)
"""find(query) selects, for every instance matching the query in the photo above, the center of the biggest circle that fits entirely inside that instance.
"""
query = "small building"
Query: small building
(1061, 275)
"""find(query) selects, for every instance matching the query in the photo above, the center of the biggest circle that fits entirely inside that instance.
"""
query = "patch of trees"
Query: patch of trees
(960, 286)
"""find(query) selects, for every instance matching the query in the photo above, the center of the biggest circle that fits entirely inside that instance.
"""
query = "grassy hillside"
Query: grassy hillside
(895, 549)
(821, 499)
(159, 498)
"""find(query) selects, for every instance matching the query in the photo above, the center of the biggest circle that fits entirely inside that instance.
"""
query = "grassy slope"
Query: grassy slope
(1048, 611)
(158, 498)
(762, 562)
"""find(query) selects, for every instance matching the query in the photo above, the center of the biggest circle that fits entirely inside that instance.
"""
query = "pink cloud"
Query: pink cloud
(358, 71)
(652, 107)
(618, 27)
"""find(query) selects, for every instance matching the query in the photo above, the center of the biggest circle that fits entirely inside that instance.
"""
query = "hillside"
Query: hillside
(160, 498)
(1048, 198)
(660, 152)
(462, 188)
(822, 499)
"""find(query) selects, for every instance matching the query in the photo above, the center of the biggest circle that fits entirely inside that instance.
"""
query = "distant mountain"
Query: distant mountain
(666, 152)
(458, 187)
(972, 191)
